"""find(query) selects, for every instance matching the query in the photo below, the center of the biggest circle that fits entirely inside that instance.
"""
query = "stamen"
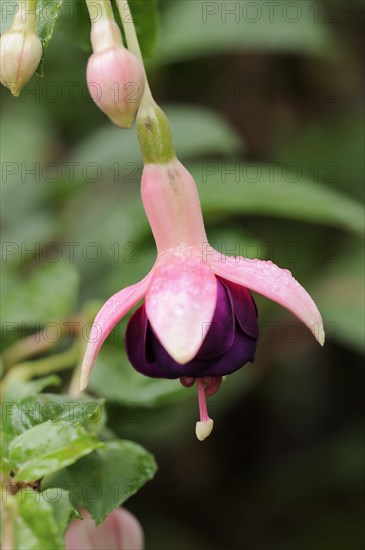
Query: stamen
(212, 384)
(187, 381)
(203, 428)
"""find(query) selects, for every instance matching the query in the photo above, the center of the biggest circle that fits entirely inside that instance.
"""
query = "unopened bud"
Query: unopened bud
(20, 55)
(115, 77)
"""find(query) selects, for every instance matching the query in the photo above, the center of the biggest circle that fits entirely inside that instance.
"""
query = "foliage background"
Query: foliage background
(284, 466)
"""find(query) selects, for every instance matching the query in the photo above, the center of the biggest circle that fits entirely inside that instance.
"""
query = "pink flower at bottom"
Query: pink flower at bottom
(119, 531)
(198, 321)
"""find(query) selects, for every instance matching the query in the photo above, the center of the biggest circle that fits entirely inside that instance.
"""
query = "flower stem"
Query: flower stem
(133, 44)
(25, 17)
(8, 513)
(55, 363)
(36, 344)
(99, 9)
(153, 127)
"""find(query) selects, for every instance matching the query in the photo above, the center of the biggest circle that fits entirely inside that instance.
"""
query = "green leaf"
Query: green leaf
(254, 188)
(331, 151)
(106, 478)
(41, 519)
(60, 502)
(115, 379)
(49, 294)
(198, 28)
(19, 390)
(34, 410)
(26, 232)
(18, 152)
(48, 12)
(47, 448)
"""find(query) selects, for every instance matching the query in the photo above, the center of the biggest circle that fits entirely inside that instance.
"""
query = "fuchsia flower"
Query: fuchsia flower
(198, 321)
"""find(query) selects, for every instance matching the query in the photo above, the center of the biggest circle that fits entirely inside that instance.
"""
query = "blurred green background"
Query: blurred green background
(266, 108)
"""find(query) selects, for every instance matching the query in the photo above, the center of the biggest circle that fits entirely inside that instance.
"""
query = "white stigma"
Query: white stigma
(204, 429)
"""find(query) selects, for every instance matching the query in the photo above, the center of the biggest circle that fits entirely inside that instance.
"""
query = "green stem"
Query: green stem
(55, 363)
(23, 350)
(9, 514)
(129, 28)
(104, 8)
(153, 128)
(25, 17)
(133, 44)
(36, 344)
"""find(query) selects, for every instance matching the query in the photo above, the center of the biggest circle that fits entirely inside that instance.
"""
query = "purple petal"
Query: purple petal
(220, 334)
(242, 350)
(223, 351)
(137, 345)
(244, 308)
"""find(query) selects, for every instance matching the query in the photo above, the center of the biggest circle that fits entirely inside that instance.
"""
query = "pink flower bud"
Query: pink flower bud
(119, 531)
(21, 52)
(115, 77)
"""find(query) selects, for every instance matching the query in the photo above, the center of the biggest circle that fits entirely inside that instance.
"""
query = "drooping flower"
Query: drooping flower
(20, 50)
(115, 77)
(198, 321)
